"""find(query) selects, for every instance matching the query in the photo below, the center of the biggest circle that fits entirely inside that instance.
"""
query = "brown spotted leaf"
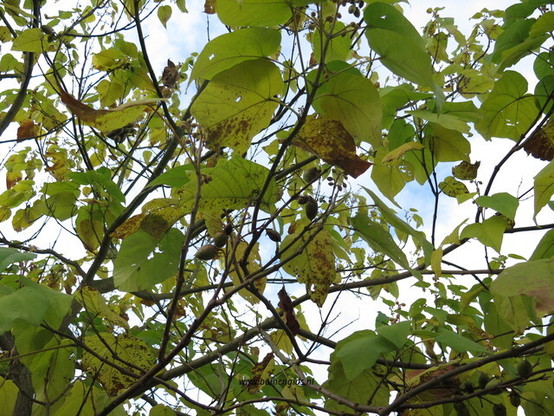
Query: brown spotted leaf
(466, 170)
(238, 103)
(313, 262)
(329, 140)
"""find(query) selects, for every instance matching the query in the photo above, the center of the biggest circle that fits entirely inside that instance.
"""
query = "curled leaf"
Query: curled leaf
(285, 303)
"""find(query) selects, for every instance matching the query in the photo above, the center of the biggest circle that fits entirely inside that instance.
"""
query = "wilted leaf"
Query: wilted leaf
(106, 120)
(541, 142)
(170, 75)
(330, 141)
(27, 129)
(285, 303)
(400, 151)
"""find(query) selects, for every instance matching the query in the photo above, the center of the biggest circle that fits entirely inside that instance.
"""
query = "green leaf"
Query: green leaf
(446, 145)
(238, 13)
(233, 48)
(458, 342)
(11, 255)
(390, 178)
(107, 59)
(508, 111)
(544, 187)
(447, 121)
(30, 40)
(396, 40)
(238, 103)
(174, 177)
(353, 100)
(396, 333)
(533, 279)
(503, 203)
(136, 268)
(379, 239)
(331, 43)
(490, 232)
(164, 14)
(161, 410)
(545, 248)
(8, 396)
(392, 219)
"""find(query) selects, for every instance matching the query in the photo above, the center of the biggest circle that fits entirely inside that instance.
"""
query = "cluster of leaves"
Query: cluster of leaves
(187, 221)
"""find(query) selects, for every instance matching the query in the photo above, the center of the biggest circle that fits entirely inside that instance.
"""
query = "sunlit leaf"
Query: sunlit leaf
(238, 103)
(544, 187)
(233, 48)
(453, 187)
(400, 151)
(503, 203)
(490, 232)
(30, 40)
(253, 12)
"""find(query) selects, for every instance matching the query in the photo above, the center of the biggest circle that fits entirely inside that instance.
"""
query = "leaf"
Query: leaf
(446, 145)
(174, 177)
(27, 129)
(448, 121)
(8, 396)
(238, 103)
(533, 279)
(545, 248)
(285, 303)
(30, 40)
(89, 226)
(396, 333)
(544, 187)
(253, 262)
(503, 203)
(230, 49)
(329, 140)
(164, 14)
(311, 260)
(161, 410)
(138, 267)
(400, 151)
(107, 120)
(541, 143)
(11, 255)
(507, 111)
(253, 12)
(458, 342)
(354, 101)
(396, 40)
(490, 232)
(392, 177)
(94, 303)
(453, 187)
(120, 349)
(466, 170)
(331, 43)
(379, 239)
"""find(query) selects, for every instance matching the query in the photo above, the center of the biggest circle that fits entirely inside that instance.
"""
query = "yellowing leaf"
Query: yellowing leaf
(30, 40)
(436, 260)
(330, 141)
(94, 302)
(164, 14)
(400, 151)
(27, 129)
(314, 265)
(118, 350)
(238, 103)
(252, 263)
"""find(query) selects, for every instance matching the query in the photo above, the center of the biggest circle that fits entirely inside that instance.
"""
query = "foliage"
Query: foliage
(183, 240)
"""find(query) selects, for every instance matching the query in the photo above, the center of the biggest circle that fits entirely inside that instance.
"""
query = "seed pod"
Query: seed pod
(229, 229)
(207, 252)
(483, 380)
(311, 174)
(499, 409)
(273, 235)
(311, 209)
(515, 398)
(468, 387)
(302, 199)
(220, 239)
(525, 369)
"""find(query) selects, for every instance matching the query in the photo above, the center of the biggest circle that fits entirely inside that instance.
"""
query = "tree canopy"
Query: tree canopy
(310, 214)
